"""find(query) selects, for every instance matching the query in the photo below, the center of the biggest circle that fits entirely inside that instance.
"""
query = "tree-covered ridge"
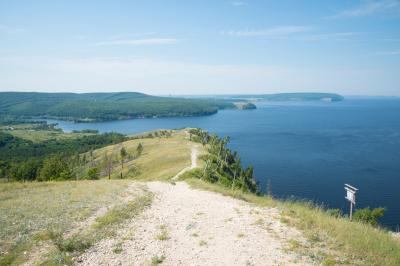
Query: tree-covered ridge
(21, 159)
(295, 96)
(300, 96)
(103, 106)
(222, 165)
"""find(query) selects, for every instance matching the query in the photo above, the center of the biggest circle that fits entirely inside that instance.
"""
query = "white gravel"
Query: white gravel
(202, 228)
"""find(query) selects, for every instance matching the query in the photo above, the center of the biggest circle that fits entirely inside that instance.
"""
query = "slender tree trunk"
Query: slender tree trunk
(122, 167)
(234, 178)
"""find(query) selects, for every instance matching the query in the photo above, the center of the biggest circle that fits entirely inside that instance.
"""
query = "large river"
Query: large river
(306, 150)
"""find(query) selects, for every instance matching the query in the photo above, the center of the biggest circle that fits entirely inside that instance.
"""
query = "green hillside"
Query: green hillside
(103, 106)
(295, 96)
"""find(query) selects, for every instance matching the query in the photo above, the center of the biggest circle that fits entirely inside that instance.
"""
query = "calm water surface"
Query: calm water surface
(307, 150)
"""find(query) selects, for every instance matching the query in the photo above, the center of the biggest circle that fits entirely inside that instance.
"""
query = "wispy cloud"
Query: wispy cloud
(150, 41)
(332, 36)
(367, 8)
(299, 33)
(239, 3)
(274, 32)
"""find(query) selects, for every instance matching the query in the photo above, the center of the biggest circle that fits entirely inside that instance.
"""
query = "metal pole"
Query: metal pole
(351, 210)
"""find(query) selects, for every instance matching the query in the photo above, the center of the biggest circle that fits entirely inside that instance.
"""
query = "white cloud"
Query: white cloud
(368, 8)
(150, 41)
(274, 32)
(239, 3)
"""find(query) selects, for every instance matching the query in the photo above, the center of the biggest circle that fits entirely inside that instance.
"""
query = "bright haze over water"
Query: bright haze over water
(308, 150)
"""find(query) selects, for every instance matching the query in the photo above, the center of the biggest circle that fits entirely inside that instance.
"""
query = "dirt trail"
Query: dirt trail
(185, 226)
(193, 157)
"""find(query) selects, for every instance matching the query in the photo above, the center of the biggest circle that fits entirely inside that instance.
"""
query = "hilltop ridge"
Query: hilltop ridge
(103, 106)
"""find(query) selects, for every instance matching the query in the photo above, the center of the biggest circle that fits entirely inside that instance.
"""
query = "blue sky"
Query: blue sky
(201, 47)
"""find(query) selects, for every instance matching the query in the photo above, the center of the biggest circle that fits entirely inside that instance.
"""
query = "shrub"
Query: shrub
(93, 173)
(369, 216)
(55, 168)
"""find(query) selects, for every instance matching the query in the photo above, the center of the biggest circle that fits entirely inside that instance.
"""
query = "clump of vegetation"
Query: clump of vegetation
(118, 248)
(369, 216)
(156, 260)
(163, 235)
(93, 173)
(55, 168)
(24, 160)
(240, 235)
(202, 243)
(222, 165)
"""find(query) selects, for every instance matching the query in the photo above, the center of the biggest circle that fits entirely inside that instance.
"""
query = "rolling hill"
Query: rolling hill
(103, 106)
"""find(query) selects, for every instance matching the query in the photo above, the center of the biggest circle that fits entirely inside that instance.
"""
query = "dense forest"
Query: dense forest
(23, 160)
(296, 96)
(102, 106)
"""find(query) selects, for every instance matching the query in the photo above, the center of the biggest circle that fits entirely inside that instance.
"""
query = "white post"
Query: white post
(351, 210)
(351, 191)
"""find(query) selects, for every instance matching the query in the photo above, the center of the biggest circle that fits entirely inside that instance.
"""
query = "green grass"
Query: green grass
(163, 235)
(105, 226)
(156, 260)
(348, 242)
(162, 158)
(29, 132)
(42, 135)
(32, 212)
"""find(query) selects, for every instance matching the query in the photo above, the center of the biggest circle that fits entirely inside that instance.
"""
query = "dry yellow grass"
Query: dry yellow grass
(30, 209)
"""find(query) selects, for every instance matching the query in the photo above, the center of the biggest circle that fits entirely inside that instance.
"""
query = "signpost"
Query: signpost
(350, 196)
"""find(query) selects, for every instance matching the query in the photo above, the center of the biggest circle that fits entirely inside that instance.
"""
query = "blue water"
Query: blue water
(307, 150)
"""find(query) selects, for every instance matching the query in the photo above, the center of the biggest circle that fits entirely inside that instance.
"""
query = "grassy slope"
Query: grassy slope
(28, 209)
(28, 132)
(162, 158)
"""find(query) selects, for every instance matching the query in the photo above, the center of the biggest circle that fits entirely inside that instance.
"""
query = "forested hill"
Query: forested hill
(295, 96)
(303, 96)
(103, 106)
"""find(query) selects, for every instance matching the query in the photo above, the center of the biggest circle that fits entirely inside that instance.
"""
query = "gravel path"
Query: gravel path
(193, 165)
(185, 226)
(192, 227)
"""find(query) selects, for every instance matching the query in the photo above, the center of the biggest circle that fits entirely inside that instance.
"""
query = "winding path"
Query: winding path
(193, 157)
